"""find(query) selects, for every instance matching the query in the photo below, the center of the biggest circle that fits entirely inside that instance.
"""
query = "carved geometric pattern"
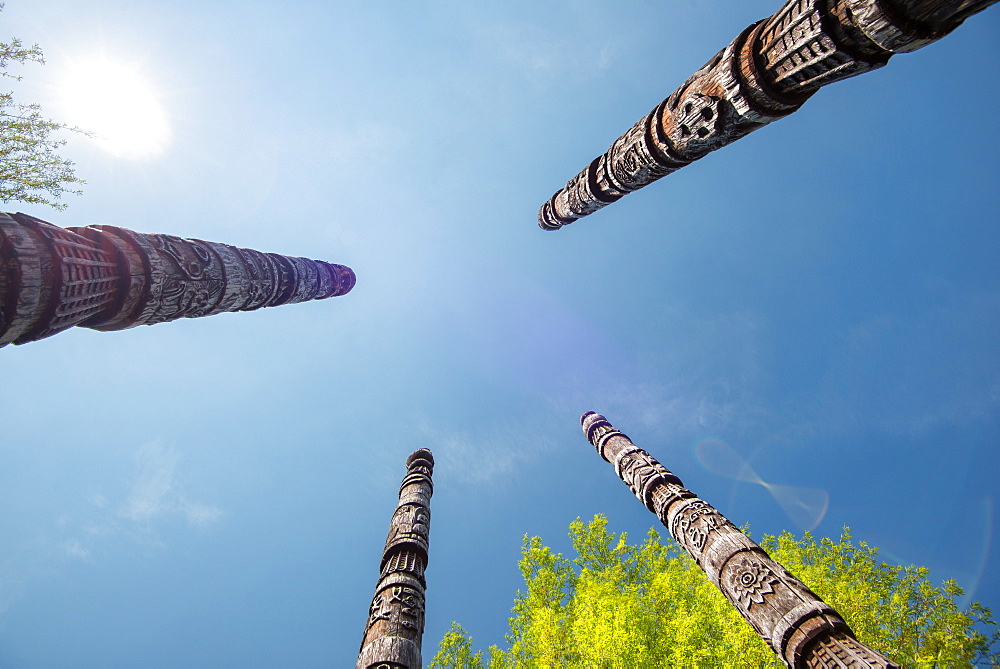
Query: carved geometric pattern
(764, 74)
(842, 650)
(698, 121)
(800, 56)
(86, 278)
(404, 560)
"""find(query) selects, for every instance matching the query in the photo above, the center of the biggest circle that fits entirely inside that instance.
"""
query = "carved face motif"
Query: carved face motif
(191, 258)
(420, 521)
(180, 298)
(410, 522)
(191, 282)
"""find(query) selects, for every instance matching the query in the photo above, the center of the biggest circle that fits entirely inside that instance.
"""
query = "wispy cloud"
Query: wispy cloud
(155, 491)
(704, 382)
(486, 456)
(151, 491)
(140, 511)
(605, 57)
(153, 494)
(76, 549)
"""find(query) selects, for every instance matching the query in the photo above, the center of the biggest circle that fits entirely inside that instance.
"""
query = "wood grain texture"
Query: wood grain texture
(801, 629)
(110, 278)
(766, 73)
(395, 625)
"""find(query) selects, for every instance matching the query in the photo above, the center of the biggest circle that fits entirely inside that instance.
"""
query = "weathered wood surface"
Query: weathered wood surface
(109, 278)
(395, 623)
(766, 73)
(801, 629)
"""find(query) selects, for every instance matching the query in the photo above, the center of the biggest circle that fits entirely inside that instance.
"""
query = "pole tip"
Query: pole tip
(342, 279)
(590, 421)
(420, 454)
(548, 219)
(347, 279)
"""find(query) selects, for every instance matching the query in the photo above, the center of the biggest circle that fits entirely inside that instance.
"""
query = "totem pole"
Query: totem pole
(798, 625)
(107, 278)
(766, 73)
(396, 618)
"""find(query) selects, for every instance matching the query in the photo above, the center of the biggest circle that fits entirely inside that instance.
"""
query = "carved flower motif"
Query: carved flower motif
(750, 581)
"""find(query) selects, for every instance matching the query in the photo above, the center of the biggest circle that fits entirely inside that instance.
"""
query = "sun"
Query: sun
(115, 103)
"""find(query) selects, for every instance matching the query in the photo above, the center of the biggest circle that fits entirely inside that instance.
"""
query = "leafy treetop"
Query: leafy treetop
(31, 169)
(618, 604)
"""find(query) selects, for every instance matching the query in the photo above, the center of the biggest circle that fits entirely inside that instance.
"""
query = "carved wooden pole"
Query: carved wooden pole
(109, 278)
(798, 625)
(766, 73)
(396, 618)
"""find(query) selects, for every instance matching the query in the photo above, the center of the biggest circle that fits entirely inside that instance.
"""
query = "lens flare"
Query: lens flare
(806, 507)
(984, 555)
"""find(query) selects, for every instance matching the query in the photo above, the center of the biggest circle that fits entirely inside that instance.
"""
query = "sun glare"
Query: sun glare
(115, 103)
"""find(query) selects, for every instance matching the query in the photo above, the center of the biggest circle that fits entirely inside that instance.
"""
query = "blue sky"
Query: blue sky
(819, 301)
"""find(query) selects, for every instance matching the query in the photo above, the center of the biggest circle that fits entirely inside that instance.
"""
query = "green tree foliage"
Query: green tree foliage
(649, 605)
(31, 169)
